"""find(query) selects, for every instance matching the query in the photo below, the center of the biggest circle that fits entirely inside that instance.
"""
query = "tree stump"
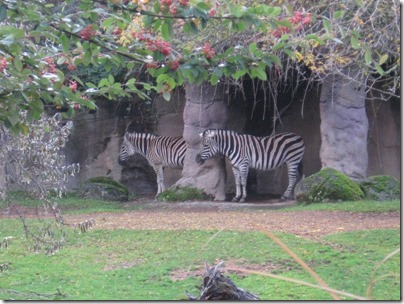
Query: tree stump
(218, 287)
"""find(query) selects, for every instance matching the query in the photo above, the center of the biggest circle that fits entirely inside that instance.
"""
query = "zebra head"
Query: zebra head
(209, 146)
(126, 151)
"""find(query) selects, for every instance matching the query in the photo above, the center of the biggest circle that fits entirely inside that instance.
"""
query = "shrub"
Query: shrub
(328, 185)
(181, 194)
(103, 188)
(381, 188)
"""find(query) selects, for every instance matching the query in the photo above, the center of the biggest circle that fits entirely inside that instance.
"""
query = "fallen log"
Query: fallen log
(218, 287)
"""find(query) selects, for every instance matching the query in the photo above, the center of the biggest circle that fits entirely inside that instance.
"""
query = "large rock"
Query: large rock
(344, 127)
(103, 188)
(381, 188)
(327, 185)
(205, 108)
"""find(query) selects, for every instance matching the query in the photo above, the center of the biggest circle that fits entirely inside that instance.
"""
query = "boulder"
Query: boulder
(381, 188)
(104, 188)
(328, 185)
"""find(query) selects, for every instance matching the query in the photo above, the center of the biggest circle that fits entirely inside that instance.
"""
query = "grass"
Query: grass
(137, 265)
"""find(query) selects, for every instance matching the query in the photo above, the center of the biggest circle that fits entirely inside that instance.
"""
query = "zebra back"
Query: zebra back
(262, 153)
(162, 150)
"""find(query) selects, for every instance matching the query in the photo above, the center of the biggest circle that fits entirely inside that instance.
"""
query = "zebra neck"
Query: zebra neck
(141, 142)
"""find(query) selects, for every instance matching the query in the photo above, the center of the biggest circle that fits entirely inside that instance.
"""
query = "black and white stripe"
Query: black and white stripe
(261, 153)
(160, 152)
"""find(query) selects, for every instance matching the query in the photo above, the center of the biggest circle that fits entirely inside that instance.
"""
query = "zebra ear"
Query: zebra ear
(201, 134)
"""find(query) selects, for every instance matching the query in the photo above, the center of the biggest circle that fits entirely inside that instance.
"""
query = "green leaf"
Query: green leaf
(339, 14)
(252, 47)
(65, 43)
(327, 25)
(166, 30)
(8, 40)
(379, 69)
(383, 59)
(275, 59)
(258, 73)
(104, 83)
(17, 64)
(3, 12)
(239, 73)
(279, 46)
(111, 79)
(13, 117)
(236, 10)
(315, 38)
(354, 42)
(368, 56)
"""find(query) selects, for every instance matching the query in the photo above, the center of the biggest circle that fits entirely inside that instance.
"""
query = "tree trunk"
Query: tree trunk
(344, 127)
(205, 108)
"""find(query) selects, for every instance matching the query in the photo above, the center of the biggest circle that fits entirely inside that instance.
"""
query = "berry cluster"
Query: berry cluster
(153, 44)
(208, 51)
(73, 86)
(297, 19)
(51, 65)
(172, 6)
(87, 33)
(3, 64)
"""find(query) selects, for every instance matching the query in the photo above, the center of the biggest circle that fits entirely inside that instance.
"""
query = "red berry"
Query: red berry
(73, 86)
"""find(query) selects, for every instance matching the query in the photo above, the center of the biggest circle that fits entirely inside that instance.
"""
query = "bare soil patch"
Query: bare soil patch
(225, 215)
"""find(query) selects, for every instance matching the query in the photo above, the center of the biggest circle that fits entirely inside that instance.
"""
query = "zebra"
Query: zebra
(160, 152)
(261, 153)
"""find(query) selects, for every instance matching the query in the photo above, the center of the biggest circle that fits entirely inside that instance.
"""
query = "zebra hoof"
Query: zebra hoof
(283, 198)
(235, 200)
(242, 200)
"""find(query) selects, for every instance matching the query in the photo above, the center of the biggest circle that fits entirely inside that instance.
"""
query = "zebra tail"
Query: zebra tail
(300, 170)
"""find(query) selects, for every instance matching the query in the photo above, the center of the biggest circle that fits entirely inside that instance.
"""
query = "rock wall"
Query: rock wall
(205, 108)
(344, 127)
(384, 137)
(96, 139)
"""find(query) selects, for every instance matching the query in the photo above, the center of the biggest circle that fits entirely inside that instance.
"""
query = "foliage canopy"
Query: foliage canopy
(42, 43)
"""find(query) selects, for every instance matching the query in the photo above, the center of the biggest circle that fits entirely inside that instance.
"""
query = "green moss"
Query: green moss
(109, 183)
(103, 188)
(181, 194)
(328, 185)
(381, 188)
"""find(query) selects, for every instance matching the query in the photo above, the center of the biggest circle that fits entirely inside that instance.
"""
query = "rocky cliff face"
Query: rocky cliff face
(97, 137)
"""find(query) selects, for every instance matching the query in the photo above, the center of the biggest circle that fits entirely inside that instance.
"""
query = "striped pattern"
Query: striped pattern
(160, 152)
(261, 153)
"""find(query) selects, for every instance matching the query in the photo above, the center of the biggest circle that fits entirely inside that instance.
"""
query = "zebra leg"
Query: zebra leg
(292, 173)
(244, 175)
(237, 180)
(160, 179)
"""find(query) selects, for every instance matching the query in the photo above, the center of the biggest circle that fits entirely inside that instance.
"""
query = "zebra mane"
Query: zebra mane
(212, 132)
(131, 135)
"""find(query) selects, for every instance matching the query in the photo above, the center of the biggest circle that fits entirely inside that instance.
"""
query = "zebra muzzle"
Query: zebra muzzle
(199, 159)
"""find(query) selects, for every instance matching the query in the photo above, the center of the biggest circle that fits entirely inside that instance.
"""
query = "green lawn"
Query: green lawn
(138, 265)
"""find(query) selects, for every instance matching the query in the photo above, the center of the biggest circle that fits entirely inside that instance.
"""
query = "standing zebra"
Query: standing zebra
(160, 152)
(261, 153)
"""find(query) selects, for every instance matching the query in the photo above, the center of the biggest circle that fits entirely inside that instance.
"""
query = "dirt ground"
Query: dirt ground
(225, 215)
(254, 215)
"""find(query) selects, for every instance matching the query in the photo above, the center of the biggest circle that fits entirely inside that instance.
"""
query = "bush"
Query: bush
(181, 194)
(103, 188)
(328, 185)
(381, 188)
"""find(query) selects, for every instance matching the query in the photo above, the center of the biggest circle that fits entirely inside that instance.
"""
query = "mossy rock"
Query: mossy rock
(182, 194)
(381, 188)
(328, 185)
(104, 188)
